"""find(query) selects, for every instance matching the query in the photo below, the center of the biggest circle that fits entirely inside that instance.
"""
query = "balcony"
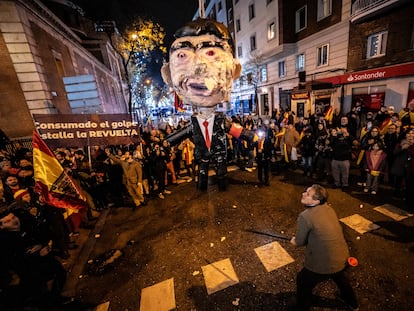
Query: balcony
(364, 9)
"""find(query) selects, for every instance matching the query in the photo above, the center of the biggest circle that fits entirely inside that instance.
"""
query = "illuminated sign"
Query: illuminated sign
(372, 75)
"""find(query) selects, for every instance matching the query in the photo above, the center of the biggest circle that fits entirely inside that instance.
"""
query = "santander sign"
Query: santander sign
(366, 76)
(406, 69)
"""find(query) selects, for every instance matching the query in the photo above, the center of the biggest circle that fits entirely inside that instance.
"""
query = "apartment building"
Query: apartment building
(285, 48)
(43, 59)
(380, 66)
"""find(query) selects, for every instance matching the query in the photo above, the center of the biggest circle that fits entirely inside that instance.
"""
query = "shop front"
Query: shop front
(384, 86)
(314, 98)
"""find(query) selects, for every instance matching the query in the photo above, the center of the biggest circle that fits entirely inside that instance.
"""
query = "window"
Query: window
(253, 43)
(271, 31)
(323, 53)
(282, 68)
(59, 63)
(230, 15)
(410, 97)
(300, 62)
(251, 11)
(324, 8)
(219, 6)
(371, 97)
(301, 19)
(240, 51)
(238, 25)
(377, 44)
(263, 74)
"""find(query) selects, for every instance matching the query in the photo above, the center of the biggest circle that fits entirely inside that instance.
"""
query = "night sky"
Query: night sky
(170, 14)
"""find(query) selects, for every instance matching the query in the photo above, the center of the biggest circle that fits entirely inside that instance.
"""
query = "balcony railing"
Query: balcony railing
(362, 9)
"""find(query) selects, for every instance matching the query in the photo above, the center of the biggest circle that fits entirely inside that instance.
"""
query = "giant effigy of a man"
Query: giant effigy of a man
(201, 70)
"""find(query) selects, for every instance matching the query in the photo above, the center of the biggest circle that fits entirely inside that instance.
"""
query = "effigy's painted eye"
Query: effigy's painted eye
(210, 53)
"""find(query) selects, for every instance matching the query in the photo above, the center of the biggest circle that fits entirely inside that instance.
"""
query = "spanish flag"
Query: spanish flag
(384, 126)
(178, 103)
(150, 122)
(329, 114)
(52, 182)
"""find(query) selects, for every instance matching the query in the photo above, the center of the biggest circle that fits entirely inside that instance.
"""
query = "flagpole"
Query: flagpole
(201, 8)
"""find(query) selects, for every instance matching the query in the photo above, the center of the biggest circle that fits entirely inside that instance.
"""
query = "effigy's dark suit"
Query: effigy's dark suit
(218, 148)
(216, 155)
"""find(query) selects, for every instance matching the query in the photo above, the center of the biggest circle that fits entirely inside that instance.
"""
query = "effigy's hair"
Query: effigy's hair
(205, 26)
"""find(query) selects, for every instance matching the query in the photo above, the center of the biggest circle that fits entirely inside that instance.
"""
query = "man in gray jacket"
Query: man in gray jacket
(326, 253)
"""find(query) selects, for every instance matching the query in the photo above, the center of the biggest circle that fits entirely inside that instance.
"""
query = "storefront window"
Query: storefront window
(410, 97)
(371, 98)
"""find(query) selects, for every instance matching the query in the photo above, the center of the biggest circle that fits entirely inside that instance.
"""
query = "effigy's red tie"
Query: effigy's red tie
(205, 123)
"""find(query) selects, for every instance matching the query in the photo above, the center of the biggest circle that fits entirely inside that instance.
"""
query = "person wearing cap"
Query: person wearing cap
(326, 253)
(48, 217)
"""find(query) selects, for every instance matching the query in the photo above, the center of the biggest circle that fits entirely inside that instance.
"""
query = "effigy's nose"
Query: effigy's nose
(200, 68)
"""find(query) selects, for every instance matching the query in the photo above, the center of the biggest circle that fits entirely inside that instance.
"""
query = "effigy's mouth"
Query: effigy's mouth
(198, 86)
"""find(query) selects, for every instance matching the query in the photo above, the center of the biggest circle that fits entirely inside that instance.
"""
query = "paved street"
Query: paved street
(194, 250)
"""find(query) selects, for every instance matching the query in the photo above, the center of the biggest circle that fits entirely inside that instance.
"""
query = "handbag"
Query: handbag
(294, 154)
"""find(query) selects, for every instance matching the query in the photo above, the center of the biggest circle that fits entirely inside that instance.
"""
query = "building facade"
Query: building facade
(380, 65)
(285, 48)
(50, 67)
(307, 55)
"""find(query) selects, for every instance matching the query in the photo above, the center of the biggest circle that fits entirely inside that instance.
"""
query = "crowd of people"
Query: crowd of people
(38, 235)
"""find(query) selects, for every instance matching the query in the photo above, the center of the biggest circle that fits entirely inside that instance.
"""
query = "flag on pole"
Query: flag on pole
(52, 182)
(150, 122)
(329, 114)
(178, 103)
(384, 126)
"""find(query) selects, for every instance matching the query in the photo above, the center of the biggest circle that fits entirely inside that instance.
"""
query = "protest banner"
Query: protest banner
(66, 130)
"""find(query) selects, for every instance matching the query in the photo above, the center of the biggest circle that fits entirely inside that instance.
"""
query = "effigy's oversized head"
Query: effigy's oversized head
(202, 68)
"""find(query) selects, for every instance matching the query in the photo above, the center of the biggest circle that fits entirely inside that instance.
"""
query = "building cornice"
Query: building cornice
(48, 17)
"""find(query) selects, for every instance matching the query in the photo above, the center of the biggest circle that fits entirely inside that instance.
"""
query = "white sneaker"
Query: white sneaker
(161, 196)
(365, 190)
(373, 192)
(167, 191)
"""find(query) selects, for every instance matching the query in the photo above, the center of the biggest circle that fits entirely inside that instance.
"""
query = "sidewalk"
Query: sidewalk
(75, 264)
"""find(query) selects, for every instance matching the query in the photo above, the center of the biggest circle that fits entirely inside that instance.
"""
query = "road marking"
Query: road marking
(102, 307)
(219, 275)
(158, 297)
(359, 223)
(273, 256)
(393, 212)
